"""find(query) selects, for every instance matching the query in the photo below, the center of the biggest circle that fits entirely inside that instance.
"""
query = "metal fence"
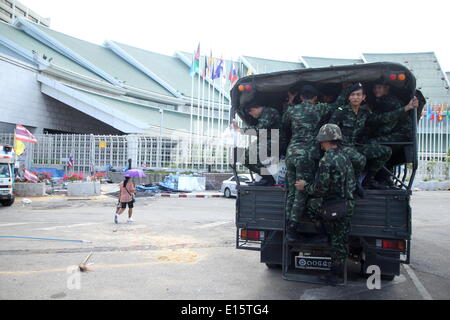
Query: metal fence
(97, 152)
(433, 142)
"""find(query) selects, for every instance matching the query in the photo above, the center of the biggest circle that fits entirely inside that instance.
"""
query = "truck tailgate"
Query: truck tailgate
(382, 213)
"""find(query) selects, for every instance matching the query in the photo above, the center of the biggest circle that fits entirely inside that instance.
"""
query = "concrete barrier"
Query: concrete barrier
(431, 185)
(23, 189)
(83, 189)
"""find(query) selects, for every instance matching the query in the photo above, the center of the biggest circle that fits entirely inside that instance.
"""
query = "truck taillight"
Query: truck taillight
(252, 235)
(392, 244)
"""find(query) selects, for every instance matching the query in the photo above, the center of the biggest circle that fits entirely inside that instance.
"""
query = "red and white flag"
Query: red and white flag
(70, 162)
(23, 134)
(30, 176)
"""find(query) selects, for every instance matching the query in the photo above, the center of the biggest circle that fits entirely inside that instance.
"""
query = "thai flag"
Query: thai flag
(30, 176)
(70, 162)
(23, 134)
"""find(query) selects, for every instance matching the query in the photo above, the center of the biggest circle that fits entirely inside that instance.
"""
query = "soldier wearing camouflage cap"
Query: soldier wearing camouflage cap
(334, 179)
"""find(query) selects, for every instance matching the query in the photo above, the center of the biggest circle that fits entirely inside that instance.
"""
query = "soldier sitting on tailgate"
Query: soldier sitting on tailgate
(268, 118)
(353, 119)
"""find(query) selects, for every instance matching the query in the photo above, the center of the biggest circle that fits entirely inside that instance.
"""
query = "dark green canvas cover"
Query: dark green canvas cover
(271, 89)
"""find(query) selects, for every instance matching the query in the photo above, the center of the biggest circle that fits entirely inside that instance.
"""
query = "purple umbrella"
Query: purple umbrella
(134, 173)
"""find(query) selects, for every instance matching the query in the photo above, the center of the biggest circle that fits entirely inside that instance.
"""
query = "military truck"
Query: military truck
(381, 225)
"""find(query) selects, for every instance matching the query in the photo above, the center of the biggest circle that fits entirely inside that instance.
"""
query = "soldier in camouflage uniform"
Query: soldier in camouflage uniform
(353, 119)
(334, 179)
(399, 130)
(300, 124)
(267, 118)
(395, 131)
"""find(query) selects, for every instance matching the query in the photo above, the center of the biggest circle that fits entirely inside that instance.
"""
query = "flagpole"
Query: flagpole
(191, 122)
(198, 118)
(209, 121)
(203, 118)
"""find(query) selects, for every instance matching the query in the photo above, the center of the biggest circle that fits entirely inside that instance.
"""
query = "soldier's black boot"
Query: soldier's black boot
(384, 178)
(265, 181)
(292, 234)
(370, 183)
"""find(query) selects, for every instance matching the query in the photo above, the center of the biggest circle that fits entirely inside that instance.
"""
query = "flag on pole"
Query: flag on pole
(218, 71)
(23, 134)
(195, 66)
(441, 113)
(233, 77)
(19, 147)
(205, 69)
(30, 176)
(70, 162)
(430, 113)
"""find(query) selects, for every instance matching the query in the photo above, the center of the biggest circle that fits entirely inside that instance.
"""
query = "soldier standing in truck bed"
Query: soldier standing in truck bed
(300, 124)
(267, 118)
(353, 119)
(334, 179)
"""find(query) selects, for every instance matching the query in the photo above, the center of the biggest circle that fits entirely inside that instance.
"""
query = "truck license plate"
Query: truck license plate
(313, 263)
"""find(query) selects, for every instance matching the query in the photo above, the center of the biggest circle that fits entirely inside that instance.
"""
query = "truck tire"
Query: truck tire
(273, 266)
(227, 193)
(8, 203)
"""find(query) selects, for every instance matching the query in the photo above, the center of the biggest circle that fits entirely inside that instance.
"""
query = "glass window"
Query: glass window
(243, 179)
(4, 170)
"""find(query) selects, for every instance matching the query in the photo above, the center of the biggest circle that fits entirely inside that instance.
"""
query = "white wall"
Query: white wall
(21, 101)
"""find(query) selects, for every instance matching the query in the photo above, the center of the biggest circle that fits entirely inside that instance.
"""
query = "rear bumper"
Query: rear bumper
(6, 196)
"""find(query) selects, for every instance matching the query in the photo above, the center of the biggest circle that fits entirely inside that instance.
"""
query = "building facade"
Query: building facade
(12, 9)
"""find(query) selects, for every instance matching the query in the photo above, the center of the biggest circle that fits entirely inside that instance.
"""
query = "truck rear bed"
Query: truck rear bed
(381, 214)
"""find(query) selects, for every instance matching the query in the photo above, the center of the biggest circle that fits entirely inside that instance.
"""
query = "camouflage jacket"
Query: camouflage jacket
(334, 179)
(353, 125)
(301, 123)
(270, 118)
(402, 125)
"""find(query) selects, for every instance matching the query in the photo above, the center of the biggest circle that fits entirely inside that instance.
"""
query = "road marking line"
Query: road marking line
(353, 288)
(70, 226)
(210, 225)
(423, 292)
(13, 224)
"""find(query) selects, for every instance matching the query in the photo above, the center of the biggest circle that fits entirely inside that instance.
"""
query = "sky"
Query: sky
(281, 29)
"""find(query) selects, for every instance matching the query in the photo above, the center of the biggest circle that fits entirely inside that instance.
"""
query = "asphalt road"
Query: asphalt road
(185, 249)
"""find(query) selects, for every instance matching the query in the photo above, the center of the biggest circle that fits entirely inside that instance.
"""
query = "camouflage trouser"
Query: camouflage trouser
(299, 165)
(357, 159)
(376, 155)
(337, 230)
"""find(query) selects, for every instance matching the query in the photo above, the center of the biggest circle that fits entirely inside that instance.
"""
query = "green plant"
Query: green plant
(73, 177)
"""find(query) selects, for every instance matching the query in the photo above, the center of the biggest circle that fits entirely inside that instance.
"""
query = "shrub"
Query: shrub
(71, 176)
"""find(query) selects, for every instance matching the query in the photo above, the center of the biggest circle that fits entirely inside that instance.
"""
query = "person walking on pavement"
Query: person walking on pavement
(126, 197)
